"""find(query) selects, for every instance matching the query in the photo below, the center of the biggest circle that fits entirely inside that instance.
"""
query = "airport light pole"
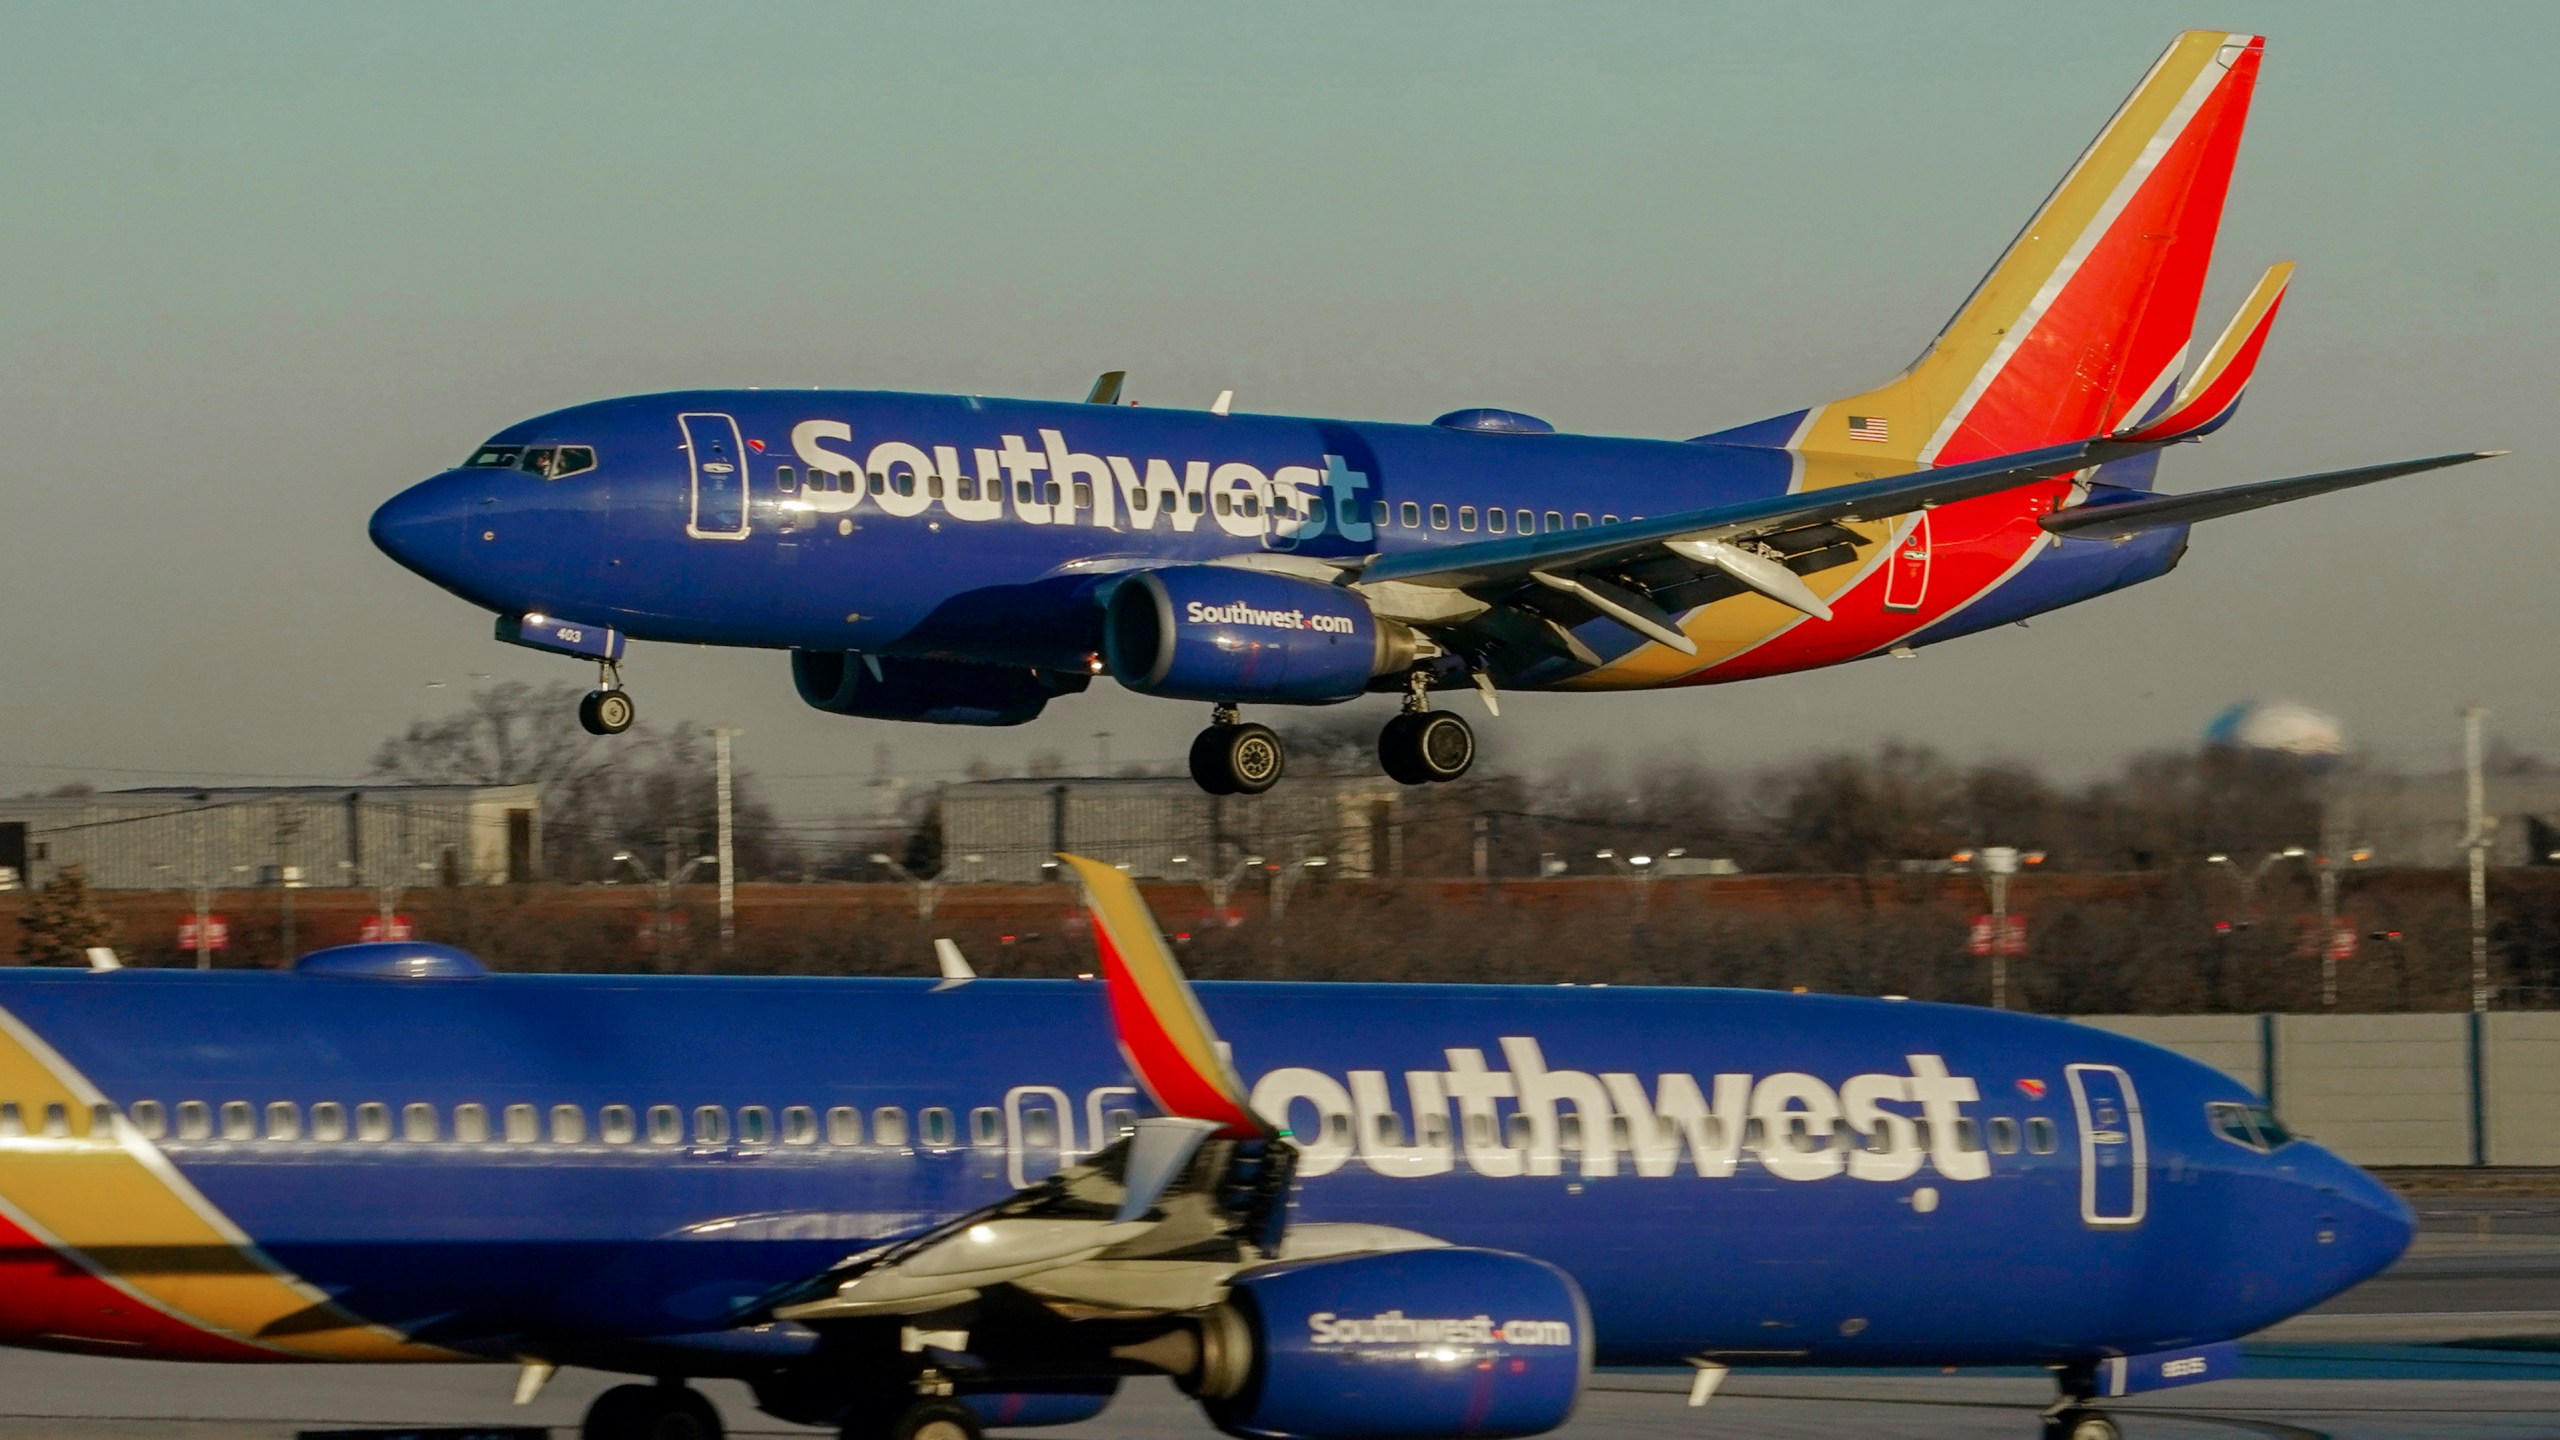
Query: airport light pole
(1283, 874)
(666, 887)
(1639, 868)
(2327, 872)
(2477, 838)
(926, 890)
(721, 735)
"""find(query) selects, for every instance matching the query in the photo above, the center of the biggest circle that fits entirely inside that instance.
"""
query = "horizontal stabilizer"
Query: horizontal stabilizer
(2120, 521)
(2209, 396)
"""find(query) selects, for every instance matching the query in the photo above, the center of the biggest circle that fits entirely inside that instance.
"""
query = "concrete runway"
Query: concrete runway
(2400, 1357)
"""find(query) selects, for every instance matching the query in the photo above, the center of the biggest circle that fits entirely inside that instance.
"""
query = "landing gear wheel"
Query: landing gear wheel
(651, 1412)
(607, 712)
(1423, 747)
(938, 1420)
(1237, 759)
(2079, 1424)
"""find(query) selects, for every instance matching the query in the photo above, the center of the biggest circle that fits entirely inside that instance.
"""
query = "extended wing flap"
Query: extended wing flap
(2131, 517)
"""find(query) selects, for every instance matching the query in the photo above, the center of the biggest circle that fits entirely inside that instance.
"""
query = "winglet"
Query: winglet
(955, 966)
(1106, 388)
(1162, 1031)
(2207, 398)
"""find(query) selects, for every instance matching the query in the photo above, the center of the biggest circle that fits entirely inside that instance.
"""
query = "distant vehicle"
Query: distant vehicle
(910, 1209)
(961, 560)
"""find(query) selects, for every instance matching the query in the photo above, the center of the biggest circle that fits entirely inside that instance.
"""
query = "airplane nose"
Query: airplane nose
(2373, 1224)
(421, 527)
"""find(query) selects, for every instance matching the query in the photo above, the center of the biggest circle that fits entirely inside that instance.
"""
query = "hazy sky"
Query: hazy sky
(262, 266)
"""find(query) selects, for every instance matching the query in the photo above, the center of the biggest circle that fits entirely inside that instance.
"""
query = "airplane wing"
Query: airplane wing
(2118, 520)
(1155, 1223)
(1520, 594)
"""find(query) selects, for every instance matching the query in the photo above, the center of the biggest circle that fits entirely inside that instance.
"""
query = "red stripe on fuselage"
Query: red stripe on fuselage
(49, 1302)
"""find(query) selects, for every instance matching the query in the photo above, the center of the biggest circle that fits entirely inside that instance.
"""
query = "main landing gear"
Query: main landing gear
(607, 710)
(2079, 1422)
(1232, 757)
(1423, 746)
(664, 1411)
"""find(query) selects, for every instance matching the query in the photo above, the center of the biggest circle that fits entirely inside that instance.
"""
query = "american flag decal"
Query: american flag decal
(1867, 427)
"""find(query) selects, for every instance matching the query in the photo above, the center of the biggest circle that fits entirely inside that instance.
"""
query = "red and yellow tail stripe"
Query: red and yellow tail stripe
(1162, 1032)
(120, 1216)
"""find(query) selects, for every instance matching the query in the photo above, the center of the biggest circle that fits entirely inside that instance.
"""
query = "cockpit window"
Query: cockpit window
(2254, 1127)
(551, 462)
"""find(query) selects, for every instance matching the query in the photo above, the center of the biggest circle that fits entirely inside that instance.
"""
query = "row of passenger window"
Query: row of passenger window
(2038, 1135)
(936, 1126)
(1408, 514)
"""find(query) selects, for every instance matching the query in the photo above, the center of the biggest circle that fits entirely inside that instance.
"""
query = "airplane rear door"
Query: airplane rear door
(1906, 575)
(2114, 1159)
(719, 477)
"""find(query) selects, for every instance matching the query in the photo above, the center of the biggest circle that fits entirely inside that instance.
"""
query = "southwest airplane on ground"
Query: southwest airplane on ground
(961, 560)
(910, 1209)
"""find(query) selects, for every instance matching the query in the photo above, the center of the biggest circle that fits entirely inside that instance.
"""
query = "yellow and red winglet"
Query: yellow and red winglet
(2208, 397)
(1162, 1031)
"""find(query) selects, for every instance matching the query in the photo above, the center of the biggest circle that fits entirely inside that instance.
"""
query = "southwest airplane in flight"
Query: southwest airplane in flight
(964, 560)
(910, 1209)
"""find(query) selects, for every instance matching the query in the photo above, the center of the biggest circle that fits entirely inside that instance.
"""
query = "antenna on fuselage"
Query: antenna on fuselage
(1106, 388)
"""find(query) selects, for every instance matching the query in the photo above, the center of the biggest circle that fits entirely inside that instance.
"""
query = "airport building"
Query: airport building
(318, 835)
(1005, 831)
(2418, 822)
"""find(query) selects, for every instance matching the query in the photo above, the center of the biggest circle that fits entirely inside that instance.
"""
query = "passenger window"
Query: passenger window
(1039, 1126)
(1581, 520)
(284, 1120)
(1480, 1132)
(934, 1129)
(1084, 497)
(889, 1125)
(1252, 504)
(2040, 1135)
(1021, 492)
(1439, 517)
(844, 1125)
(965, 487)
(1466, 517)
(523, 1125)
(1968, 1134)
(1496, 521)
(666, 1126)
(1608, 519)
(471, 1124)
(57, 1121)
(1920, 1137)
(1120, 1124)
(2004, 1135)
(1569, 1132)
(986, 1125)
(1515, 1131)
(239, 1120)
(1226, 503)
(1141, 499)
(1378, 515)
(149, 1119)
(799, 1125)
(195, 1120)
(102, 1121)
(1755, 1134)
(755, 1126)
(615, 1125)
(1337, 1129)
(571, 460)
(879, 483)
(904, 484)
(1410, 514)
(1555, 522)
(373, 1121)
(1878, 1141)
(418, 1123)
(786, 482)
(568, 1125)
(1199, 502)
(710, 1125)
(1390, 1130)
(933, 487)
(328, 1121)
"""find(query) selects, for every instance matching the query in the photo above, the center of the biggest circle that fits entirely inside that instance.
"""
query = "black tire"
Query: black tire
(607, 712)
(1255, 758)
(651, 1412)
(2077, 1424)
(685, 1414)
(1209, 761)
(938, 1420)
(1399, 755)
(1443, 745)
(616, 1414)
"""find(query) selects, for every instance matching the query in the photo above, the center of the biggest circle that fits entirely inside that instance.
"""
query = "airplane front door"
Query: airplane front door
(719, 477)
(2114, 1158)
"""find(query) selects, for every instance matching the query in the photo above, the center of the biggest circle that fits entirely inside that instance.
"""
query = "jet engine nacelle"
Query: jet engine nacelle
(938, 692)
(1407, 1345)
(1221, 633)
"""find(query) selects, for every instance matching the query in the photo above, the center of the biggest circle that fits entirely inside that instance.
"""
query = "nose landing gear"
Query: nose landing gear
(1424, 746)
(607, 709)
(1233, 757)
(2079, 1422)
